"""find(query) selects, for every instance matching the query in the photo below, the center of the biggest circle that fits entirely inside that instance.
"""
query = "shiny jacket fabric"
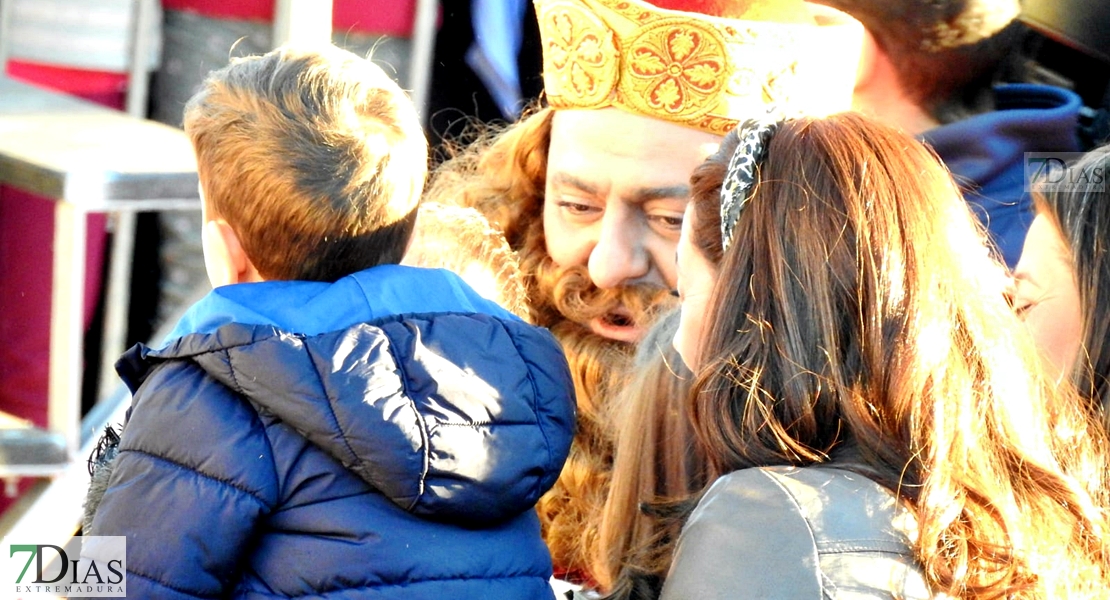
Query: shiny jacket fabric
(385, 436)
(790, 533)
(986, 154)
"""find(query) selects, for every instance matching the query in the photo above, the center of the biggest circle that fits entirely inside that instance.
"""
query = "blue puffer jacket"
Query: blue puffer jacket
(385, 436)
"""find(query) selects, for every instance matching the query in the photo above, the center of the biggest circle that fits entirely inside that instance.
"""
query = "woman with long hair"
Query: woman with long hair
(874, 417)
(1062, 282)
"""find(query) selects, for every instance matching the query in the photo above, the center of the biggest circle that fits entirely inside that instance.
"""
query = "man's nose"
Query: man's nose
(620, 256)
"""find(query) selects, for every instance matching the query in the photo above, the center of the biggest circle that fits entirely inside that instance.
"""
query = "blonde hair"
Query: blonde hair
(502, 174)
(313, 156)
(855, 314)
(461, 240)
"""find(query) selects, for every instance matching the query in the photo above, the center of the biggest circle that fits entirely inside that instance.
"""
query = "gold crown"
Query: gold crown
(696, 70)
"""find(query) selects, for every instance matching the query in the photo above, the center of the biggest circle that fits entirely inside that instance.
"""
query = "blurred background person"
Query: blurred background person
(936, 69)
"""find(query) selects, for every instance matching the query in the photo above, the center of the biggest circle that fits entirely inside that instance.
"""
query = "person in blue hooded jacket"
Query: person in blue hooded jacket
(934, 69)
(327, 423)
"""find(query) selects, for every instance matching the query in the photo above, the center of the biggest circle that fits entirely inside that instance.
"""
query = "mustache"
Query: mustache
(570, 291)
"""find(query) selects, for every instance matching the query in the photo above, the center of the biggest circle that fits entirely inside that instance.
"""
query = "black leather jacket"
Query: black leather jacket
(783, 532)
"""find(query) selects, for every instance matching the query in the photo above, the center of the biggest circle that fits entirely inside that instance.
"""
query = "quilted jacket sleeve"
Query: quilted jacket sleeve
(193, 477)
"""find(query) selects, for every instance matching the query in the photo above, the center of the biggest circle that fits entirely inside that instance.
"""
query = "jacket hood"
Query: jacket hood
(1029, 118)
(986, 155)
(454, 409)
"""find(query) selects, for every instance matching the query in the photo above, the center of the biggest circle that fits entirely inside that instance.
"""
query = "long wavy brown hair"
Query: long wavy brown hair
(502, 174)
(656, 467)
(856, 311)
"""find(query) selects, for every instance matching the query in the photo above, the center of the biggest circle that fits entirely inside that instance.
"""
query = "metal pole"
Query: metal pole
(423, 49)
(117, 296)
(137, 84)
(5, 33)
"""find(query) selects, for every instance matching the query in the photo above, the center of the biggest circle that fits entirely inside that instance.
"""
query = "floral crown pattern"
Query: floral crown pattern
(692, 69)
(741, 177)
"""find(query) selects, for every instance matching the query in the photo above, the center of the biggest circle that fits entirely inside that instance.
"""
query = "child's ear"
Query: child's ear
(224, 258)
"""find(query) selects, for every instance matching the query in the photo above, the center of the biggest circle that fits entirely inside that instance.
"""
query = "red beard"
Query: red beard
(562, 294)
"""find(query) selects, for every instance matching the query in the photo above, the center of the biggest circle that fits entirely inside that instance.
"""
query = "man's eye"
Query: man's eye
(671, 221)
(576, 208)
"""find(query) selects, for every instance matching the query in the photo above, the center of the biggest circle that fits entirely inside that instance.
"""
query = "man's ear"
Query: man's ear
(870, 55)
(224, 258)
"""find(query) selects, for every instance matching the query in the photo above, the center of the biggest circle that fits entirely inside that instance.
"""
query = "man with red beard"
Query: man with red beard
(590, 190)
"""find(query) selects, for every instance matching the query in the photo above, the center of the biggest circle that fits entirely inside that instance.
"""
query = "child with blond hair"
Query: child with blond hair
(325, 422)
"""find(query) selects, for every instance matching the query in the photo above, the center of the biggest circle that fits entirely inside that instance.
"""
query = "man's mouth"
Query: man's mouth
(618, 319)
(617, 325)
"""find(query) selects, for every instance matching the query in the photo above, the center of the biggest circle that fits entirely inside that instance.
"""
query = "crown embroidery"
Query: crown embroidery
(579, 55)
(696, 70)
(675, 67)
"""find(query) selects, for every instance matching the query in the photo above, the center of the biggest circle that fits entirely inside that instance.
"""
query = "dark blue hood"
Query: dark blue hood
(986, 154)
(446, 403)
(385, 436)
